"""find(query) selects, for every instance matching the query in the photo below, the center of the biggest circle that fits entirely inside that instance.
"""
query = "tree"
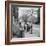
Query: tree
(25, 17)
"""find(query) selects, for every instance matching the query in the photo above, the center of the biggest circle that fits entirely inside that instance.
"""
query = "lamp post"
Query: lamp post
(31, 21)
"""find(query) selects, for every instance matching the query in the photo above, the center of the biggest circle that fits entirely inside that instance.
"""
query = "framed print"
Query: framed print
(24, 22)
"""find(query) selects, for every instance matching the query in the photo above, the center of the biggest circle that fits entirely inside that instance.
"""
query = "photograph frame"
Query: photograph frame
(7, 24)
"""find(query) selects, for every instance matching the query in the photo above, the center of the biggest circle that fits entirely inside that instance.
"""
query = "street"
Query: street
(35, 31)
